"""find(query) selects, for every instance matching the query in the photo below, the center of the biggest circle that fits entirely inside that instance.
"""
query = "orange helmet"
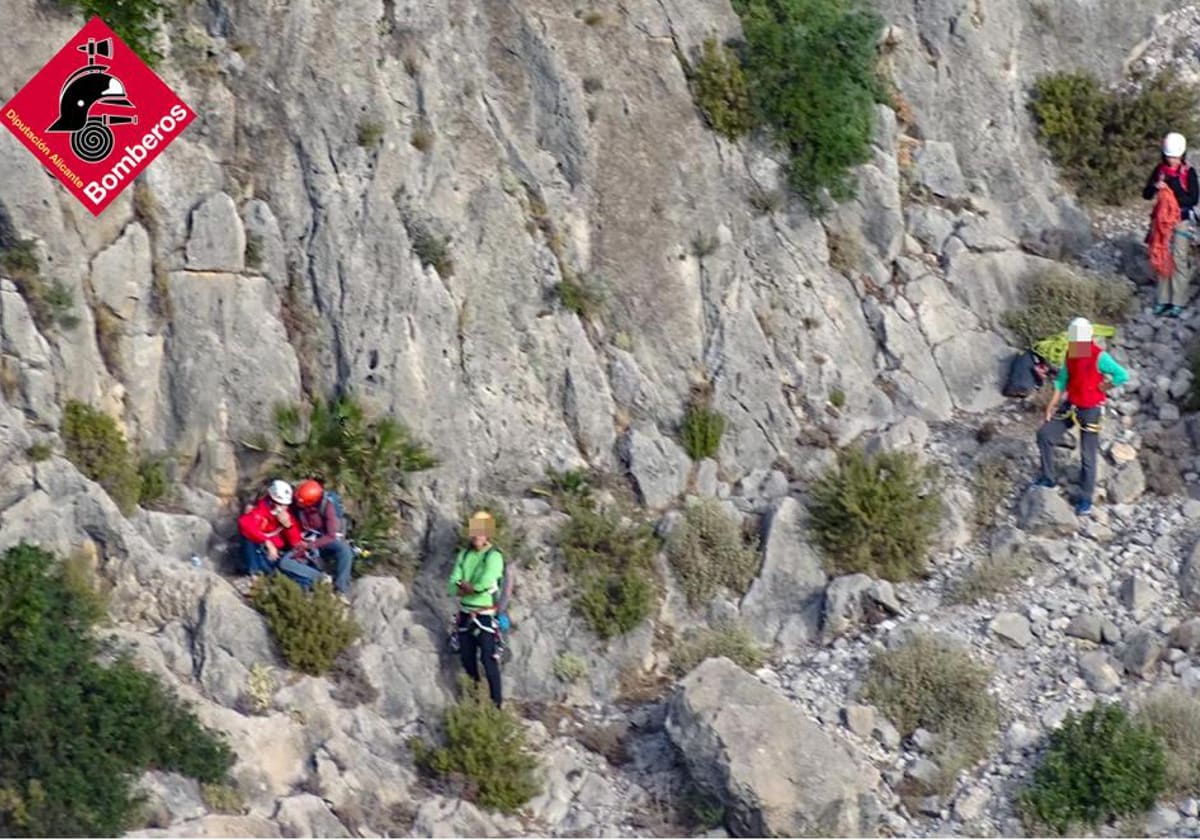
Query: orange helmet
(309, 493)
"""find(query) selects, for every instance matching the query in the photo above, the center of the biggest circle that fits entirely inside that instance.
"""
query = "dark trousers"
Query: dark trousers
(1089, 444)
(475, 641)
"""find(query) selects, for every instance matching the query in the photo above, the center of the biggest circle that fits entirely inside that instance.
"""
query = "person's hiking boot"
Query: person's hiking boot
(1162, 309)
(1045, 482)
(1083, 507)
(1175, 312)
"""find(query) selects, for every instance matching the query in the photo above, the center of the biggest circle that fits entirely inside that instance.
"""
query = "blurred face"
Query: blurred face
(1078, 349)
(1174, 161)
(479, 537)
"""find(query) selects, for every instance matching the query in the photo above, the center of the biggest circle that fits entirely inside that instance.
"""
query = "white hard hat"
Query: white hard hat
(1079, 330)
(1174, 145)
(280, 492)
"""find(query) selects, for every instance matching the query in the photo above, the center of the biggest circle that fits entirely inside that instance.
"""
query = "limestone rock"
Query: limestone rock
(719, 706)
(217, 241)
(1045, 513)
(784, 603)
(1013, 628)
(851, 599)
(658, 465)
(306, 815)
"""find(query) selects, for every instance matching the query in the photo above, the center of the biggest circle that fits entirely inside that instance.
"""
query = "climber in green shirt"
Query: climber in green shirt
(475, 581)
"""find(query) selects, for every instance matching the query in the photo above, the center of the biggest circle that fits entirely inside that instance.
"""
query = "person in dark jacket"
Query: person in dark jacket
(323, 533)
(1175, 174)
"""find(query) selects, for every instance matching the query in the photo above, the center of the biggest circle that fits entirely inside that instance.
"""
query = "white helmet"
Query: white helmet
(280, 492)
(1079, 330)
(1174, 145)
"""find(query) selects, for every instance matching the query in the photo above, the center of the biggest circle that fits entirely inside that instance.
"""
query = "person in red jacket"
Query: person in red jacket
(268, 530)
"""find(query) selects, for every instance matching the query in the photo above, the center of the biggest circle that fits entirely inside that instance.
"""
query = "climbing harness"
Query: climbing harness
(1071, 413)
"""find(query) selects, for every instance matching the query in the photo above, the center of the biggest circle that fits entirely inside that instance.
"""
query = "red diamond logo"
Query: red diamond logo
(95, 115)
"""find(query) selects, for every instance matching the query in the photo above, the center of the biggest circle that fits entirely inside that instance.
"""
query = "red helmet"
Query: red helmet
(309, 493)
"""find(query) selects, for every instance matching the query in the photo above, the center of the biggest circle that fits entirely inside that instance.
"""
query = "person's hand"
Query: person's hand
(1162, 184)
(283, 517)
(465, 587)
(272, 551)
(1049, 413)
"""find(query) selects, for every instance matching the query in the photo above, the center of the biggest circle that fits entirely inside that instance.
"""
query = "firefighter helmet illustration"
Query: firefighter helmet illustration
(89, 86)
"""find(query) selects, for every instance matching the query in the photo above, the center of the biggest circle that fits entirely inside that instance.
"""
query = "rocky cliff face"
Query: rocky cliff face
(279, 246)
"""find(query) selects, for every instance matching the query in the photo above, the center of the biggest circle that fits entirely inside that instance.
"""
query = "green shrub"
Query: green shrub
(708, 553)
(701, 431)
(76, 734)
(1174, 715)
(39, 452)
(570, 668)
(156, 485)
(365, 459)
(430, 248)
(725, 639)
(92, 441)
(988, 578)
(870, 515)
(370, 133)
(49, 303)
(1107, 141)
(811, 71)
(1054, 296)
(567, 486)
(260, 689)
(222, 798)
(721, 91)
(837, 398)
(992, 483)
(581, 295)
(254, 251)
(1099, 765)
(135, 21)
(78, 574)
(311, 628)
(933, 684)
(610, 562)
(487, 747)
(705, 245)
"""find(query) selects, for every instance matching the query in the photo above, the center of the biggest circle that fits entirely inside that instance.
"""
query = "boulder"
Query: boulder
(230, 638)
(784, 603)
(217, 240)
(1186, 636)
(1099, 673)
(1142, 652)
(937, 169)
(775, 771)
(308, 816)
(1127, 483)
(215, 825)
(658, 466)
(1138, 594)
(171, 798)
(1013, 628)
(851, 599)
(1189, 578)
(1044, 512)
(1086, 626)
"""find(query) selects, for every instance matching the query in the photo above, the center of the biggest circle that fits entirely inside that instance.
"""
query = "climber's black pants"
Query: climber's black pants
(477, 640)
(1089, 443)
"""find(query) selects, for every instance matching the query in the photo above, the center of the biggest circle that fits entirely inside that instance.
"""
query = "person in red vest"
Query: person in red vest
(1089, 372)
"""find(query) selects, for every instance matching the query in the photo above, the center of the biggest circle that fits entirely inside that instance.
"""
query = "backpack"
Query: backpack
(1026, 373)
(332, 496)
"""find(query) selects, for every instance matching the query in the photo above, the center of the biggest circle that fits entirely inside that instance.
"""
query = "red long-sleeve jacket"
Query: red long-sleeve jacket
(310, 519)
(260, 526)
